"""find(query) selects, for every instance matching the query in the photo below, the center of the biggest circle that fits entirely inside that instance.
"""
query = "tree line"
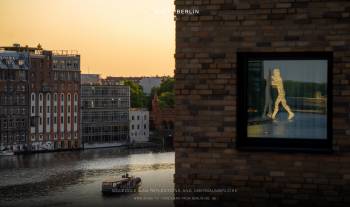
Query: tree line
(165, 93)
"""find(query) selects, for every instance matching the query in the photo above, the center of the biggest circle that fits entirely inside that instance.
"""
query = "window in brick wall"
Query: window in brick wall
(284, 100)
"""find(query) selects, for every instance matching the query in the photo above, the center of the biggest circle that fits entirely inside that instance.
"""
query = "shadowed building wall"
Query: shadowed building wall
(206, 100)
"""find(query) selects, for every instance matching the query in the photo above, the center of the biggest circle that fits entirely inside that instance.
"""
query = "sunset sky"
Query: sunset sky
(113, 37)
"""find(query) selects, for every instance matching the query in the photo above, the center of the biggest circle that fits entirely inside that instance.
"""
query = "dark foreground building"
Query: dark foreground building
(298, 157)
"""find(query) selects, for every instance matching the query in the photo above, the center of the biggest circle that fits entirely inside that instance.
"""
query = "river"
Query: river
(74, 178)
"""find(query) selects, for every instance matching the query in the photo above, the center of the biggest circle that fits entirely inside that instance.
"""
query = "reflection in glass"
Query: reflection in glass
(287, 99)
(277, 82)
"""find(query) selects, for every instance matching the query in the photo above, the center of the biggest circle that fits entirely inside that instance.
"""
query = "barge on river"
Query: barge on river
(127, 184)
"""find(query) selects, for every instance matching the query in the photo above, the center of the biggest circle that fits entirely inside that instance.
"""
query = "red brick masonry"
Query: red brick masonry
(206, 99)
(162, 118)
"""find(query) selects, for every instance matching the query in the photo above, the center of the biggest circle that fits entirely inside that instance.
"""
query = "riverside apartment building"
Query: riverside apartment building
(14, 67)
(54, 98)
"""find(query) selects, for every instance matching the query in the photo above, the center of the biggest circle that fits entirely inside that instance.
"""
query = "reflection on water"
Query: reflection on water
(74, 178)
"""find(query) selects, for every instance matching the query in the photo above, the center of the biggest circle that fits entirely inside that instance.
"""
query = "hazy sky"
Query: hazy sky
(114, 37)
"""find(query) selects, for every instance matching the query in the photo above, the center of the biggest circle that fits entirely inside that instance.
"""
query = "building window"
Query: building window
(48, 97)
(40, 97)
(62, 97)
(138, 117)
(33, 97)
(75, 120)
(144, 126)
(48, 121)
(132, 117)
(55, 120)
(76, 97)
(55, 97)
(132, 126)
(68, 97)
(68, 120)
(61, 119)
(33, 110)
(48, 109)
(285, 100)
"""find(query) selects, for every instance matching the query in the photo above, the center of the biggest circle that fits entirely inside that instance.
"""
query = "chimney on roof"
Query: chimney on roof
(16, 45)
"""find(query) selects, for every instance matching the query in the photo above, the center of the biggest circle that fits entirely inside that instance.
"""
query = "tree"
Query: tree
(167, 99)
(165, 93)
(166, 86)
(137, 96)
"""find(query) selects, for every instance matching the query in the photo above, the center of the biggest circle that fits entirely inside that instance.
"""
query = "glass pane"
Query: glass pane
(287, 99)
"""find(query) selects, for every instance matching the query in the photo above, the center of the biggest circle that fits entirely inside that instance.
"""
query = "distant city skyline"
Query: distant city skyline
(113, 37)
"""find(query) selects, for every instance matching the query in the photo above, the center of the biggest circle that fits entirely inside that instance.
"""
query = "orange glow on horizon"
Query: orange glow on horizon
(113, 37)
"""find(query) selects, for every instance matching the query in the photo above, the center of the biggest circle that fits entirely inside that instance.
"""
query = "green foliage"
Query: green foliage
(165, 93)
(166, 86)
(167, 99)
(137, 97)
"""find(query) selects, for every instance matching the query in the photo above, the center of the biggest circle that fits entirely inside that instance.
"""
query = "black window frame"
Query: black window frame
(244, 142)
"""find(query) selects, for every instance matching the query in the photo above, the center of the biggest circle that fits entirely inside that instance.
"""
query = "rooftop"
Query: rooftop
(69, 53)
(138, 109)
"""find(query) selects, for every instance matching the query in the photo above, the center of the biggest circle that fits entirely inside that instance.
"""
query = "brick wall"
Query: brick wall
(162, 118)
(206, 100)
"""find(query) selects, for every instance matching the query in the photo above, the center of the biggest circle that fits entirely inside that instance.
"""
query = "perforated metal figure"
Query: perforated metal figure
(277, 82)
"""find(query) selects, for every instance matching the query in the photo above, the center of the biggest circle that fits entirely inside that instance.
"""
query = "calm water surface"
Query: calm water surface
(74, 178)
